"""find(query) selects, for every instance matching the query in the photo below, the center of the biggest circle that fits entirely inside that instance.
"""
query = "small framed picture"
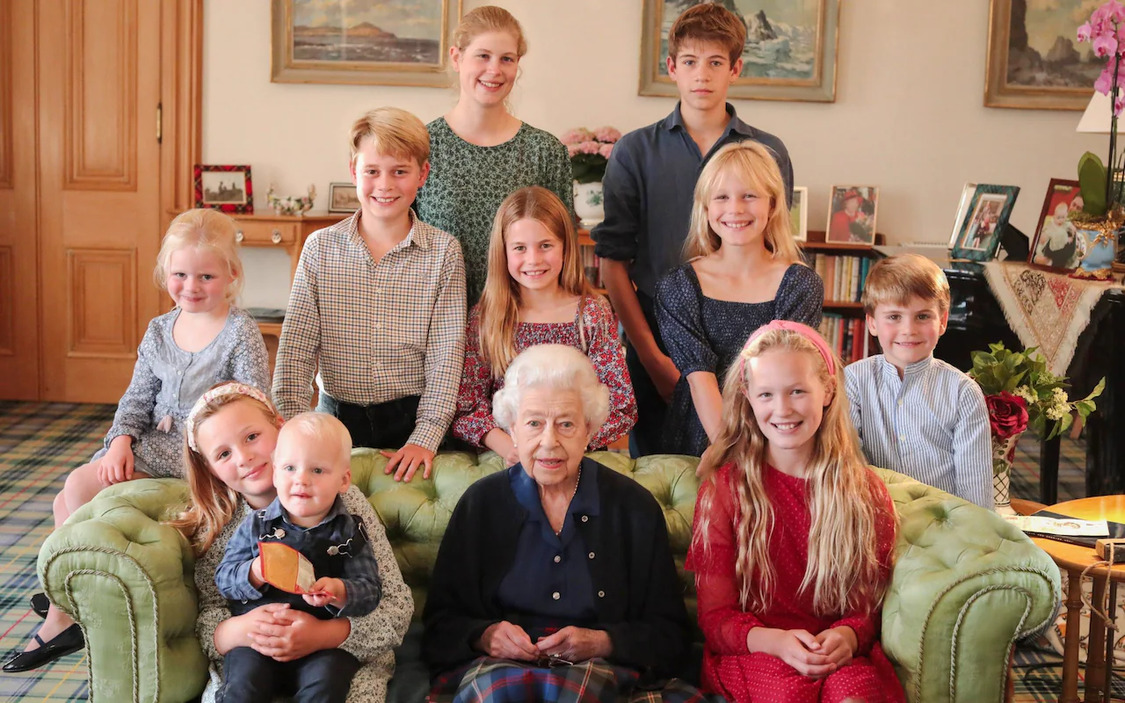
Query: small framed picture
(987, 216)
(799, 213)
(851, 215)
(226, 188)
(1056, 244)
(342, 198)
(962, 209)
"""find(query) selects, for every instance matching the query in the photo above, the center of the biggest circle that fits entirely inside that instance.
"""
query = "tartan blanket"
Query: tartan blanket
(489, 680)
(1045, 309)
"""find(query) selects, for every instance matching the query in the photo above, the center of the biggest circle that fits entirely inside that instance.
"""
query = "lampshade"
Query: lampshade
(1096, 119)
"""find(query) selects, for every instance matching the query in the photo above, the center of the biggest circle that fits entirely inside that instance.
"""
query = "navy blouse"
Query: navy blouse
(705, 334)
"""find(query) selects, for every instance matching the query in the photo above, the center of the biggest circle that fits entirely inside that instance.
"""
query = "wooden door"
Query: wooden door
(99, 191)
(19, 326)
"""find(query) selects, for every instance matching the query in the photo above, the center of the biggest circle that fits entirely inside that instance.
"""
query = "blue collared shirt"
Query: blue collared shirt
(648, 187)
(549, 584)
(337, 547)
(932, 424)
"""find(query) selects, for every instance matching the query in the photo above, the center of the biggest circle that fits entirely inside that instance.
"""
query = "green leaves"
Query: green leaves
(1091, 180)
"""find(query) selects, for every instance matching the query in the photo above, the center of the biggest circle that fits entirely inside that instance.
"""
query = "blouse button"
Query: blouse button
(556, 595)
(558, 558)
(585, 518)
(601, 594)
(591, 555)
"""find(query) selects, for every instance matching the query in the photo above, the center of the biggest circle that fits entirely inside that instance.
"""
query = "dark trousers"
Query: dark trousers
(646, 437)
(321, 676)
(380, 425)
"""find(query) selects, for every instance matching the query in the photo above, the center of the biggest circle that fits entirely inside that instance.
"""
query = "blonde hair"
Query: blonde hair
(899, 278)
(484, 19)
(392, 131)
(320, 427)
(708, 22)
(500, 302)
(213, 503)
(202, 228)
(755, 166)
(843, 569)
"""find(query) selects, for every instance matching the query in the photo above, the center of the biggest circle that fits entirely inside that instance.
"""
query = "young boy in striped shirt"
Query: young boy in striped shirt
(916, 414)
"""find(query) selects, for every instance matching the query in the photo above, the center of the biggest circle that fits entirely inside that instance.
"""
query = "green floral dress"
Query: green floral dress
(467, 183)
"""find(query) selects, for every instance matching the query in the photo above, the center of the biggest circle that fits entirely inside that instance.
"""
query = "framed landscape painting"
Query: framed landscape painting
(790, 51)
(375, 42)
(1034, 58)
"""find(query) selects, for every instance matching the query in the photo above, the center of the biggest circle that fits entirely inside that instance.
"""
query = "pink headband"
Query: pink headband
(805, 331)
(227, 389)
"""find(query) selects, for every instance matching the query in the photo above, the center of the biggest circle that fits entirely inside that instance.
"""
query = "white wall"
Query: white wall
(908, 116)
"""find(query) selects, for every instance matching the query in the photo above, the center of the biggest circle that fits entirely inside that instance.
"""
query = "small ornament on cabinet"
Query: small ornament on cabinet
(291, 204)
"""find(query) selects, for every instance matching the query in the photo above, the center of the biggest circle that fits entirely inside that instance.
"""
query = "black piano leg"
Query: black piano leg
(1049, 471)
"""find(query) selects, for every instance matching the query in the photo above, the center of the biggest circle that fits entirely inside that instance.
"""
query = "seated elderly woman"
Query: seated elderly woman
(555, 575)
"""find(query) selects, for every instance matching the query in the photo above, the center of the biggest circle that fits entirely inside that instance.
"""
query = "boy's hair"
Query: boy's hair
(500, 301)
(321, 427)
(899, 278)
(756, 167)
(488, 18)
(213, 503)
(843, 568)
(393, 131)
(202, 228)
(708, 22)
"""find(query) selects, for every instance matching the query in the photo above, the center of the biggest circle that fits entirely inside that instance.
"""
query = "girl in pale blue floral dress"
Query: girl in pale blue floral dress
(203, 340)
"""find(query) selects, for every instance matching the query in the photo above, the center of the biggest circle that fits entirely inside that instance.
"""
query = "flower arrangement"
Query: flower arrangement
(1020, 392)
(1105, 30)
(291, 204)
(589, 151)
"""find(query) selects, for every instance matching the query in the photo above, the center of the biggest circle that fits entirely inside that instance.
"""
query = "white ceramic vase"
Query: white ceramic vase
(588, 202)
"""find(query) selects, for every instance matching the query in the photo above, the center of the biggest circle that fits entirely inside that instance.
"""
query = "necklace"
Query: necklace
(578, 478)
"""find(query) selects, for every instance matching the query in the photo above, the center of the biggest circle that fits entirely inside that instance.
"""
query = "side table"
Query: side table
(1073, 559)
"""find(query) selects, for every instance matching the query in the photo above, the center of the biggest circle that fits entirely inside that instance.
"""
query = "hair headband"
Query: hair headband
(805, 331)
(223, 391)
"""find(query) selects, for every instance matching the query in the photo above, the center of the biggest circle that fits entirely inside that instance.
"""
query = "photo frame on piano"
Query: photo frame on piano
(984, 222)
(1057, 246)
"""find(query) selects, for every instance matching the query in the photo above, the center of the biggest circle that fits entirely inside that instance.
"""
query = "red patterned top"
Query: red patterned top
(722, 619)
(597, 338)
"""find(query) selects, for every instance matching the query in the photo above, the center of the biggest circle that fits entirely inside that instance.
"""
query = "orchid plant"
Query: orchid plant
(589, 151)
(1105, 31)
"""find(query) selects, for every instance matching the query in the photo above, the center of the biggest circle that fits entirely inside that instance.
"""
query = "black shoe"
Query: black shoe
(66, 642)
(40, 604)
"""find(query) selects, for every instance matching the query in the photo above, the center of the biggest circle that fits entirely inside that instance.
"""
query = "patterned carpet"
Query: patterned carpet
(40, 443)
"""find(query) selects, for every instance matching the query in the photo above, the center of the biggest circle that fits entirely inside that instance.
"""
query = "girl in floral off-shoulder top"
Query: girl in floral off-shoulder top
(536, 293)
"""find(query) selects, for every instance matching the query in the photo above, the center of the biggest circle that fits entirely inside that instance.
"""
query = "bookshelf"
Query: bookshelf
(590, 260)
(843, 267)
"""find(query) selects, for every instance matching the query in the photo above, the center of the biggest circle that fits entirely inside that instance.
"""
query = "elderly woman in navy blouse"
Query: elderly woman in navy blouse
(555, 574)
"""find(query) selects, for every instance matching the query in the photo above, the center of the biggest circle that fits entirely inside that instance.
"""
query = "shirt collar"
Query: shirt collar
(273, 511)
(675, 121)
(418, 235)
(586, 499)
(912, 370)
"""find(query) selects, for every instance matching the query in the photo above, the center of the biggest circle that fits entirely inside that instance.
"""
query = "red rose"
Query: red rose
(1007, 414)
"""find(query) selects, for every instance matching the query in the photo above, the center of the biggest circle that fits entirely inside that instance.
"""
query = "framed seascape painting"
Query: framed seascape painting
(374, 42)
(1034, 59)
(851, 215)
(790, 51)
(1057, 244)
(799, 213)
(226, 188)
(987, 216)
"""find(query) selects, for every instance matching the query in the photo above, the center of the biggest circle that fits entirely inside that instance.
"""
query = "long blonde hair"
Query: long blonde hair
(202, 228)
(843, 568)
(213, 503)
(756, 167)
(500, 303)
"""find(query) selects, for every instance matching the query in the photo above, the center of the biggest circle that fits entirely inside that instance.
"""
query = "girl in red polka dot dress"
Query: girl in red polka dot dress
(794, 535)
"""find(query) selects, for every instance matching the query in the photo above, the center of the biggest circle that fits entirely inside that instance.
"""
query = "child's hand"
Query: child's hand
(838, 644)
(801, 650)
(117, 463)
(664, 375)
(407, 460)
(330, 592)
(257, 580)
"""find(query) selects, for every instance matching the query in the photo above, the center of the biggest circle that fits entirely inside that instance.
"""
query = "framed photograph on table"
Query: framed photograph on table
(374, 42)
(799, 213)
(342, 198)
(790, 49)
(1057, 245)
(851, 215)
(226, 188)
(967, 192)
(987, 216)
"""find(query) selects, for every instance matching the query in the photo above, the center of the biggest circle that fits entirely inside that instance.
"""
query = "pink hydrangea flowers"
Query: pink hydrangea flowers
(589, 151)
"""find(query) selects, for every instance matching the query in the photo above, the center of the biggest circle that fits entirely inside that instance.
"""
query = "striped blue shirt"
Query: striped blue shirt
(932, 424)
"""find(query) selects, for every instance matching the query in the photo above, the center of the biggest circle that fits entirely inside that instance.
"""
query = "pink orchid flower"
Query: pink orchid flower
(1105, 45)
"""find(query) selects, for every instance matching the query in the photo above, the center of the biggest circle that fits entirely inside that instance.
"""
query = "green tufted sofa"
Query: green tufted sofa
(965, 586)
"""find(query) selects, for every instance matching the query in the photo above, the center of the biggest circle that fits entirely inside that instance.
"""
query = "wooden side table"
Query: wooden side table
(1073, 559)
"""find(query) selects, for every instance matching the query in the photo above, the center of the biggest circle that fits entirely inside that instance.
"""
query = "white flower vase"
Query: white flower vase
(588, 203)
(1003, 450)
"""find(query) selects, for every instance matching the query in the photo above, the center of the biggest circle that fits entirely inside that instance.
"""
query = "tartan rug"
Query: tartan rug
(40, 443)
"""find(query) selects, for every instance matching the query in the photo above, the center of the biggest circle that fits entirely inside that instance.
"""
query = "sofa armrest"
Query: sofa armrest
(965, 586)
(128, 581)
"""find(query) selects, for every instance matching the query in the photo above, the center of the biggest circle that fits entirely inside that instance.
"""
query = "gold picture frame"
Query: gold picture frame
(812, 80)
(1057, 85)
(347, 45)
